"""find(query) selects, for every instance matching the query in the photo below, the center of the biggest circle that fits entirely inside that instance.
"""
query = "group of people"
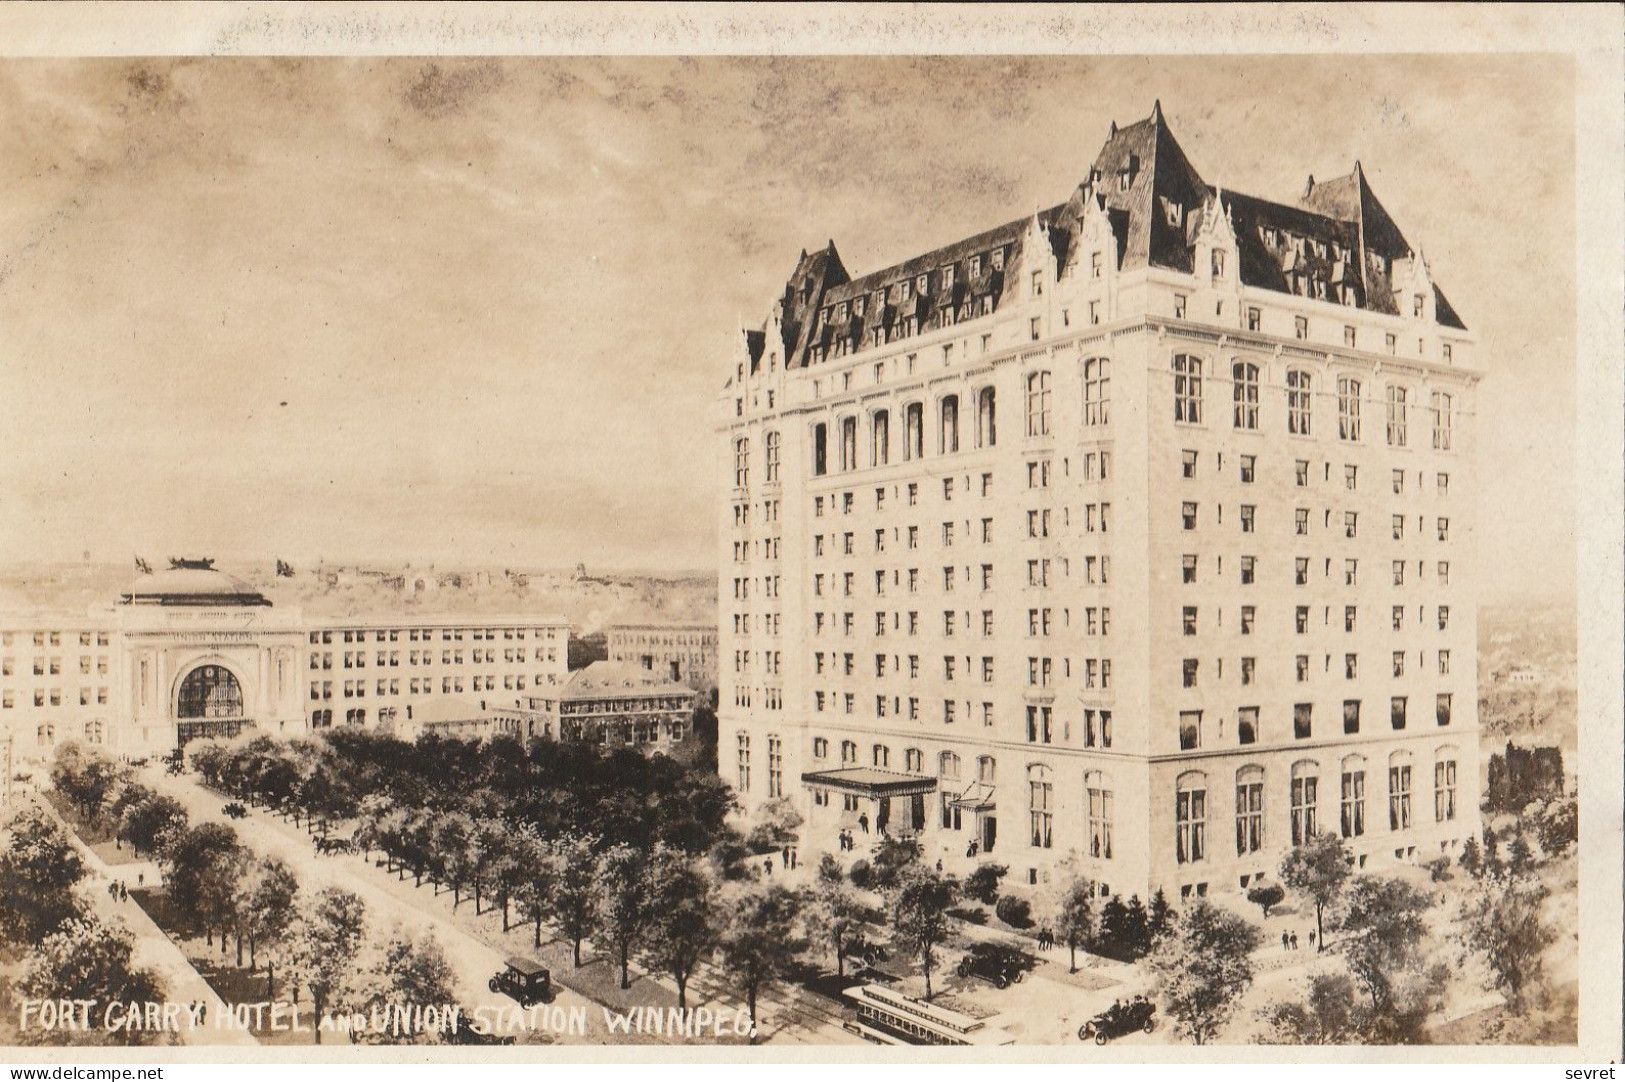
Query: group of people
(1046, 939)
(788, 856)
(1289, 941)
(118, 890)
(845, 838)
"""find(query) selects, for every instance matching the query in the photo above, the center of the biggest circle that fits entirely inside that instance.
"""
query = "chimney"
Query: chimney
(1309, 188)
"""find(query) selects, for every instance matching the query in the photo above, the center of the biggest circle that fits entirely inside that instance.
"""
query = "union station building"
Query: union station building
(192, 652)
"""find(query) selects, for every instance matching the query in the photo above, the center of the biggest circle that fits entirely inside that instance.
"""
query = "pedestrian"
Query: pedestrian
(1311, 940)
(1294, 940)
(1285, 940)
(785, 856)
(939, 865)
(863, 822)
(140, 878)
(123, 893)
(767, 866)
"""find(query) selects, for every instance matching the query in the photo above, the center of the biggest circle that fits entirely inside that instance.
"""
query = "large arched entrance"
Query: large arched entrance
(209, 703)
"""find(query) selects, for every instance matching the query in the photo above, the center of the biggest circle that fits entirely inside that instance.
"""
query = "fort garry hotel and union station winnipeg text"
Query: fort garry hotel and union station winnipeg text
(1136, 530)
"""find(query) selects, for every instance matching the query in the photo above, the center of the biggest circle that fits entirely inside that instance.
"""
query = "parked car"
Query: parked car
(525, 980)
(1120, 1018)
(996, 963)
(866, 950)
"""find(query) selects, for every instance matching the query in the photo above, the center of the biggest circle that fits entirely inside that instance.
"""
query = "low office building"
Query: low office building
(192, 652)
(609, 703)
(682, 653)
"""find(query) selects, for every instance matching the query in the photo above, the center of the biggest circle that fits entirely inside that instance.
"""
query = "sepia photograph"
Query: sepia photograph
(552, 548)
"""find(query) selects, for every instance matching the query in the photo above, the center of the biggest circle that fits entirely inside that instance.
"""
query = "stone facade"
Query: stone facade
(1101, 523)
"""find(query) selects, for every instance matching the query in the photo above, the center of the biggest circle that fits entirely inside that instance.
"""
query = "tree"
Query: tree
(88, 960)
(624, 892)
(203, 869)
(1520, 858)
(777, 825)
(1160, 916)
(1383, 921)
(573, 902)
(1202, 968)
(1501, 919)
(148, 823)
(38, 872)
(130, 796)
(1075, 917)
(408, 970)
(892, 856)
(1111, 932)
(1266, 896)
(1471, 859)
(451, 859)
(919, 914)
(534, 892)
(325, 946)
(832, 911)
(685, 929)
(1332, 1013)
(267, 912)
(1318, 869)
(982, 884)
(1558, 826)
(759, 943)
(1136, 927)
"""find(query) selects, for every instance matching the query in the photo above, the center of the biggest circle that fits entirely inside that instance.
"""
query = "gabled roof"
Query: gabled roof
(1155, 201)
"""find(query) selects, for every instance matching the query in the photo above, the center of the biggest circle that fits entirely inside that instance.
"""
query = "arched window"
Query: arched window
(1352, 804)
(948, 425)
(948, 766)
(741, 463)
(1188, 389)
(987, 769)
(913, 431)
(1098, 791)
(1190, 817)
(987, 434)
(209, 691)
(914, 760)
(880, 438)
(1244, 380)
(849, 443)
(881, 756)
(1097, 387)
(743, 740)
(1444, 420)
(1444, 785)
(1399, 790)
(1305, 800)
(1398, 416)
(849, 752)
(772, 439)
(1249, 810)
(820, 449)
(1348, 408)
(1299, 405)
(1038, 404)
(1041, 803)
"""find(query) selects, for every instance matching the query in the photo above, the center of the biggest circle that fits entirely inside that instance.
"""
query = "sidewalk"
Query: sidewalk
(153, 948)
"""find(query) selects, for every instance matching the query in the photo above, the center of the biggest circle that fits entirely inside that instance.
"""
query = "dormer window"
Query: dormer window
(998, 259)
(1270, 237)
(948, 276)
(922, 284)
(1038, 283)
(1176, 214)
(975, 265)
(1096, 263)
(1218, 263)
(840, 313)
(1416, 306)
(857, 307)
(905, 289)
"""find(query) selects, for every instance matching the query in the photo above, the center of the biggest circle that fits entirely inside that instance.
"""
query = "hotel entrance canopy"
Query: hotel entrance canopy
(871, 782)
(978, 797)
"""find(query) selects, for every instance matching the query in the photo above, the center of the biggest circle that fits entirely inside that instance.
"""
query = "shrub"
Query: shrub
(1015, 912)
(983, 883)
(861, 874)
(1438, 869)
(1266, 897)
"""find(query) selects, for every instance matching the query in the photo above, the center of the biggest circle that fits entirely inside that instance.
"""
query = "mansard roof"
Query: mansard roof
(1155, 200)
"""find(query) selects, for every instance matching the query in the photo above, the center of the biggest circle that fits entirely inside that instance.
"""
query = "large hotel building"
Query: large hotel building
(193, 652)
(1139, 530)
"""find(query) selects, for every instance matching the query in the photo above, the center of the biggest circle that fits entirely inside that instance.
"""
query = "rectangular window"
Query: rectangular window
(1190, 730)
(1351, 716)
(1442, 708)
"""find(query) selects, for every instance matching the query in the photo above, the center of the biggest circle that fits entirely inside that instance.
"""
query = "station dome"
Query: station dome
(192, 581)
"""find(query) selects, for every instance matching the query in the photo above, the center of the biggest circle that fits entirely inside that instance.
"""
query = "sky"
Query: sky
(478, 312)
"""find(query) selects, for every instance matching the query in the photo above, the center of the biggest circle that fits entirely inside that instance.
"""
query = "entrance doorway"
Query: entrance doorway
(989, 832)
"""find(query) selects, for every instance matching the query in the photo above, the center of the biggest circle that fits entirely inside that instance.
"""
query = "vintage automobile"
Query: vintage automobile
(866, 950)
(1000, 965)
(1120, 1018)
(526, 981)
(234, 810)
